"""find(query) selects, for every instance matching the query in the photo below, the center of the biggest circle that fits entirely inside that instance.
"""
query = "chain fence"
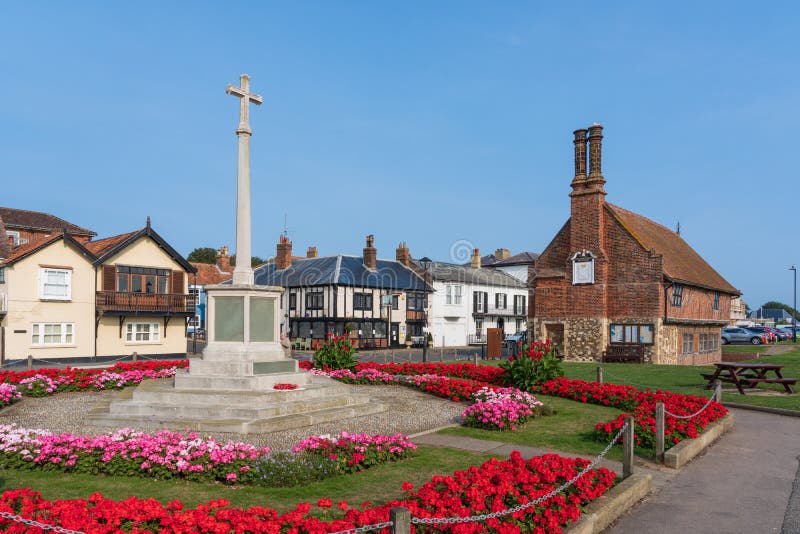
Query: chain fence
(32, 523)
(366, 528)
(698, 412)
(627, 382)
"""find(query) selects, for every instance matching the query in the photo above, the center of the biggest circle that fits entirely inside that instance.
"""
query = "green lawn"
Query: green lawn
(378, 484)
(744, 348)
(569, 430)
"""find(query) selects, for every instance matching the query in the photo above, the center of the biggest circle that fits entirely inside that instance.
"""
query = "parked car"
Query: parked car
(782, 335)
(736, 334)
(765, 331)
(518, 337)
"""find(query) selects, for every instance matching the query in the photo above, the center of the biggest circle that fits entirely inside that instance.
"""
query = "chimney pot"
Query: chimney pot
(283, 258)
(223, 260)
(312, 252)
(403, 255)
(370, 254)
(502, 254)
(595, 152)
(475, 259)
(580, 157)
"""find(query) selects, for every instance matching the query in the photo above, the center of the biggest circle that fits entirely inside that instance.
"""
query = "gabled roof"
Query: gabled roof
(769, 313)
(518, 259)
(5, 247)
(27, 249)
(680, 261)
(108, 247)
(450, 272)
(209, 274)
(340, 270)
(37, 220)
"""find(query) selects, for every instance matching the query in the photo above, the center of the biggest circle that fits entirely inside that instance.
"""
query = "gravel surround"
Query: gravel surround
(409, 412)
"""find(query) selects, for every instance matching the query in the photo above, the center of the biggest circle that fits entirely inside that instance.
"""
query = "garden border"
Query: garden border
(603, 511)
(765, 409)
(685, 451)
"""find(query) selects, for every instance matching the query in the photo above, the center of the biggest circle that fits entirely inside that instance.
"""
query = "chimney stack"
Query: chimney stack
(595, 156)
(223, 260)
(403, 255)
(284, 257)
(370, 254)
(502, 254)
(312, 252)
(580, 157)
(475, 259)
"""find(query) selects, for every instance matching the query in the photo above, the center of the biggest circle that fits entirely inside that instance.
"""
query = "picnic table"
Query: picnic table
(748, 375)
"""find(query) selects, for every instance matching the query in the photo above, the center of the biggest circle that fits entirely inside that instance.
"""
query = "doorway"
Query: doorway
(555, 333)
(394, 335)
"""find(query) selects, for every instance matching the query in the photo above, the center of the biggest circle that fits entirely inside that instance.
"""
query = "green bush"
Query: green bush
(531, 365)
(286, 469)
(336, 353)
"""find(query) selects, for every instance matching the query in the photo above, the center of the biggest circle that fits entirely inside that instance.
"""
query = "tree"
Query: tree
(772, 305)
(255, 261)
(203, 255)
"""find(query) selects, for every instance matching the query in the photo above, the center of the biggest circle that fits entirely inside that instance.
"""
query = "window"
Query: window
(194, 294)
(640, 334)
(414, 329)
(380, 329)
(500, 301)
(479, 301)
(519, 325)
(452, 294)
(479, 327)
(15, 241)
(56, 284)
(687, 343)
(677, 295)
(519, 304)
(2, 275)
(292, 301)
(44, 334)
(143, 332)
(416, 301)
(715, 306)
(315, 299)
(142, 279)
(194, 321)
(709, 342)
(362, 301)
(395, 302)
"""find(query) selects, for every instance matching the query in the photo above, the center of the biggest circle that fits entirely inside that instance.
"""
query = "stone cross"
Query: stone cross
(243, 272)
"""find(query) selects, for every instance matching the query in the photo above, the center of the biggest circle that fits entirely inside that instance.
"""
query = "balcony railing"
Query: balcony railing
(142, 303)
(510, 311)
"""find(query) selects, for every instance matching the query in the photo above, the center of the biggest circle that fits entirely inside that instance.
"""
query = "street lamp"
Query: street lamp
(426, 263)
(794, 305)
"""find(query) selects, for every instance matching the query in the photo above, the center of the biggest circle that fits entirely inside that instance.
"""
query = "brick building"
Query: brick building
(617, 284)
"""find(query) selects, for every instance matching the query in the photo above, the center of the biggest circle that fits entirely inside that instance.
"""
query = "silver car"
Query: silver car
(737, 334)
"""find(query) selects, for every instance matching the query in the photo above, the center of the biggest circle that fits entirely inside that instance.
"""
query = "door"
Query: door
(555, 333)
(494, 343)
(394, 335)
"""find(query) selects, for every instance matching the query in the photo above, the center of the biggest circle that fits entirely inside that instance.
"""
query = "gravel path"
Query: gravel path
(410, 411)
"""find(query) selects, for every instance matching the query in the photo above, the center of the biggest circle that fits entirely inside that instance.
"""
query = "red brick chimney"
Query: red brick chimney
(595, 179)
(475, 259)
(403, 255)
(312, 252)
(580, 158)
(283, 259)
(223, 260)
(370, 254)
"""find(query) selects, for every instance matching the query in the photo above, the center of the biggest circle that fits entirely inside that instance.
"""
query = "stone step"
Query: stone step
(241, 368)
(239, 383)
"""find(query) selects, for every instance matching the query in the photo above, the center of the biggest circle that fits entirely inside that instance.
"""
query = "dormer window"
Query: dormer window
(582, 267)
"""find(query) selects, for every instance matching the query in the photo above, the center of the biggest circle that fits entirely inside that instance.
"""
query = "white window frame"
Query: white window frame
(66, 335)
(453, 294)
(43, 274)
(152, 333)
(14, 235)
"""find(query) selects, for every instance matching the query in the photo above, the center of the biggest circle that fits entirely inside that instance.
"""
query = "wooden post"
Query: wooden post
(30, 362)
(475, 358)
(392, 356)
(627, 448)
(441, 356)
(660, 432)
(599, 374)
(401, 520)
(135, 356)
(717, 391)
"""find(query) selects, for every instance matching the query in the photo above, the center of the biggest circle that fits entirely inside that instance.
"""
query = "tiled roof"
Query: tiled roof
(450, 272)
(99, 247)
(23, 250)
(36, 220)
(518, 259)
(5, 247)
(680, 261)
(210, 274)
(340, 270)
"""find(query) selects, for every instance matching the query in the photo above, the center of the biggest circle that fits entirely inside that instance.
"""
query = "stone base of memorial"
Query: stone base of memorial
(231, 388)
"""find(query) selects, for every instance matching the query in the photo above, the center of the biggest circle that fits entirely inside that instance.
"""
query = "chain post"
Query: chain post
(660, 432)
(599, 374)
(400, 518)
(475, 358)
(30, 362)
(717, 390)
(627, 448)
(135, 356)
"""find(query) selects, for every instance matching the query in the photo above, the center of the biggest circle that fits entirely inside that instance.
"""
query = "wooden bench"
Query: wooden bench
(624, 354)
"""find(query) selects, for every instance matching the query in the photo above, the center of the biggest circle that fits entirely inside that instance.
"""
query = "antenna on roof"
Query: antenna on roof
(148, 221)
(285, 227)
(678, 228)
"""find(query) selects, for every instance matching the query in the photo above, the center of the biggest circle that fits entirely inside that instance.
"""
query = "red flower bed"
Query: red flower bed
(494, 486)
(285, 386)
(642, 406)
(72, 379)
(469, 371)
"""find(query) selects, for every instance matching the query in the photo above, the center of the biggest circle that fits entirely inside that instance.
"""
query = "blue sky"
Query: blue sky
(426, 122)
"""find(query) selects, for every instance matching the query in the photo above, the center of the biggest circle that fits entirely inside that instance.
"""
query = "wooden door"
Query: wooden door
(494, 342)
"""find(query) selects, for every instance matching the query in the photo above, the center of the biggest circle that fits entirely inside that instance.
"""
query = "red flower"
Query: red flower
(407, 486)
(324, 503)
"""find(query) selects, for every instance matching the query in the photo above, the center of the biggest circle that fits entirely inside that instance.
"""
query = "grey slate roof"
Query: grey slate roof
(340, 270)
(517, 259)
(450, 272)
(770, 313)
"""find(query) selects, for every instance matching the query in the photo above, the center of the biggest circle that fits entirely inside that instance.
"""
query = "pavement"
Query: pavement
(747, 482)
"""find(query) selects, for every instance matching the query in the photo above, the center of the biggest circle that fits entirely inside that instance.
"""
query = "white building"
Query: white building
(468, 300)
(517, 265)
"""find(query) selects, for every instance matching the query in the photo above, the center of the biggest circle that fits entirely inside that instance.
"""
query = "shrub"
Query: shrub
(532, 365)
(336, 353)
(501, 409)
(286, 469)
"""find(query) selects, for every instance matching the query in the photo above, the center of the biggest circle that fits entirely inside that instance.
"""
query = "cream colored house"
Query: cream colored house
(61, 298)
